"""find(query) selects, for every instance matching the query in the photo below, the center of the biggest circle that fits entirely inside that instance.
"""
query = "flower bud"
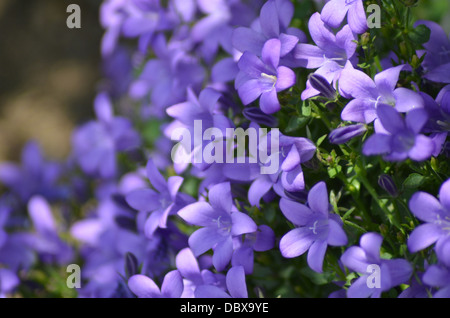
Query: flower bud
(344, 134)
(256, 115)
(319, 83)
(387, 184)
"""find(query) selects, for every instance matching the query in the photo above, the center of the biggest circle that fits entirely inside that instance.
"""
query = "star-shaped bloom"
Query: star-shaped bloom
(263, 78)
(401, 138)
(329, 55)
(436, 215)
(156, 205)
(220, 222)
(316, 227)
(362, 258)
(368, 93)
(334, 12)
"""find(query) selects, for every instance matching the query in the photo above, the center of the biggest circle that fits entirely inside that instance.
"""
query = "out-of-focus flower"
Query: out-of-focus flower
(437, 53)
(164, 79)
(46, 241)
(438, 276)
(8, 282)
(35, 176)
(96, 143)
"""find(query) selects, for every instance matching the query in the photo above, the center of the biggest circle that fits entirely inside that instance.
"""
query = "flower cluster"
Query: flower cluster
(321, 120)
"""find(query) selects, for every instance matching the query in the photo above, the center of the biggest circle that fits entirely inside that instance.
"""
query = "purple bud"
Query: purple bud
(320, 83)
(256, 115)
(387, 183)
(344, 134)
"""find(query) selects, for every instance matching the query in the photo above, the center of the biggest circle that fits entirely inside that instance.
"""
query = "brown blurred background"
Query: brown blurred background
(48, 73)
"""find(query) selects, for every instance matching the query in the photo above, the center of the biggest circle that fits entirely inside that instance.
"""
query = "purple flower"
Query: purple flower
(288, 152)
(193, 276)
(329, 56)
(134, 18)
(438, 124)
(220, 222)
(392, 272)
(96, 143)
(263, 77)
(417, 288)
(8, 282)
(436, 215)
(46, 241)
(164, 80)
(235, 282)
(160, 203)
(316, 227)
(342, 135)
(368, 94)
(144, 287)
(35, 176)
(207, 111)
(16, 252)
(216, 28)
(437, 53)
(401, 138)
(438, 276)
(273, 23)
(260, 241)
(334, 12)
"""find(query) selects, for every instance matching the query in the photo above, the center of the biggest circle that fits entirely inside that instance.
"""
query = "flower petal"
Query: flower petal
(423, 236)
(143, 287)
(296, 242)
(316, 255)
(318, 199)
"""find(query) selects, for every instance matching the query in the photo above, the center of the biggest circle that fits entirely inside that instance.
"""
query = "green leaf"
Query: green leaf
(321, 139)
(413, 181)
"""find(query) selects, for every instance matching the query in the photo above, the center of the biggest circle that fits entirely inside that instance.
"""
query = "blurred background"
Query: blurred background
(49, 73)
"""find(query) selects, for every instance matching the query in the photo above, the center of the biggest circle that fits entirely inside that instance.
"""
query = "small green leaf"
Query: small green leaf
(321, 139)
(413, 181)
